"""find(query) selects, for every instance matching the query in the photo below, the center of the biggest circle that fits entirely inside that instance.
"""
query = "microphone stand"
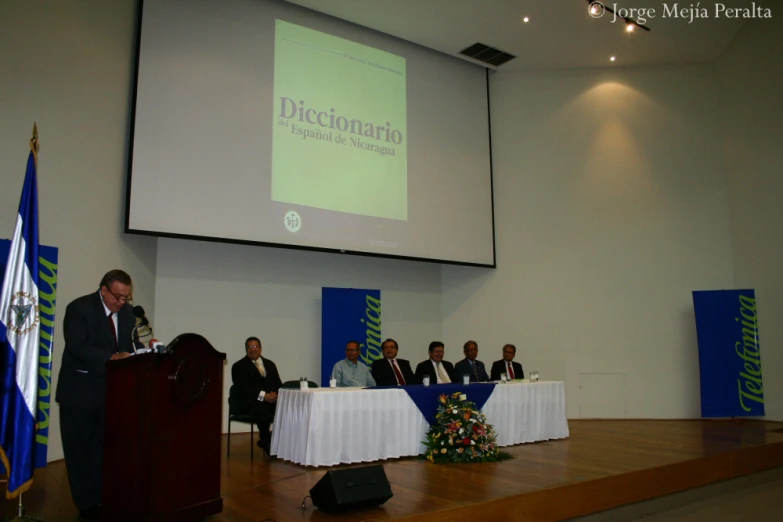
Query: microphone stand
(135, 333)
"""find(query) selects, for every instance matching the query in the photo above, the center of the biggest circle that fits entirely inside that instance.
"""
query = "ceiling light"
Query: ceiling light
(526, 19)
(612, 58)
(598, 8)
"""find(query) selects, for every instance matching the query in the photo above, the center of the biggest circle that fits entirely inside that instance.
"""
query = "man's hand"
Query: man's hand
(270, 397)
(119, 355)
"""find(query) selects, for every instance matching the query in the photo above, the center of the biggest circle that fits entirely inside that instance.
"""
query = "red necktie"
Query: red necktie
(397, 372)
(510, 372)
(113, 331)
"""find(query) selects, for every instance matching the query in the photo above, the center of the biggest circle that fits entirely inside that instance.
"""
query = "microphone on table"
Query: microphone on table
(158, 347)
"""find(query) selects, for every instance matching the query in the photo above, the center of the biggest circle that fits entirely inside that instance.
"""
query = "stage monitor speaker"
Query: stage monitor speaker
(343, 489)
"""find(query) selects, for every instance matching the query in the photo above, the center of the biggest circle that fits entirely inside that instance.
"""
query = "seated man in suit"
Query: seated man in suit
(470, 366)
(350, 372)
(391, 371)
(258, 383)
(438, 370)
(513, 370)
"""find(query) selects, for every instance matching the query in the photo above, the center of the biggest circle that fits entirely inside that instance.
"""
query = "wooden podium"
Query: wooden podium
(163, 431)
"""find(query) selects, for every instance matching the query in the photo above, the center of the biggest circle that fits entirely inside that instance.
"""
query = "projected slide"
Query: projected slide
(340, 127)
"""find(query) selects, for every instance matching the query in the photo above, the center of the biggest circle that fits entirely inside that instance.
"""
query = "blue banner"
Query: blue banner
(729, 353)
(349, 314)
(47, 294)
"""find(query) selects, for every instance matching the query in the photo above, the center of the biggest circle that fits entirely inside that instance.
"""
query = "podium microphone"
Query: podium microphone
(158, 347)
(154, 345)
(138, 311)
(142, 322)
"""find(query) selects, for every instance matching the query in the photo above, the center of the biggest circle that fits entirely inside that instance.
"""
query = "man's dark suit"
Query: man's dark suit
(464, 367)
(499, 367)
(426, 368)
(383, 373)
(246, 377)
(81, 390)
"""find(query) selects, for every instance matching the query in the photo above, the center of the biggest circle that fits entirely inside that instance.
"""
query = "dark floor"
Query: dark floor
(757, 497)
(762, 503)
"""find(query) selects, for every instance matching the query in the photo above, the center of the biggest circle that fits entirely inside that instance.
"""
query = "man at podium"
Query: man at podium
(258, 381)
(97, 328)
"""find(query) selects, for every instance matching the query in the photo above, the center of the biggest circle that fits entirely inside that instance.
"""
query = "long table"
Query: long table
(328, 426)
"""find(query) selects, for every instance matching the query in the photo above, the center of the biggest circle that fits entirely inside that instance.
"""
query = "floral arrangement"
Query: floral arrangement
(461, 433)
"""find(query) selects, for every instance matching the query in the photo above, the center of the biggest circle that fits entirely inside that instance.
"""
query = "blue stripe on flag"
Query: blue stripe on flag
(28, 209)
(17, 428)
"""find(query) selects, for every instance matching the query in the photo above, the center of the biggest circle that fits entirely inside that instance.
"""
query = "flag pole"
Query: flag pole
(21, 516)
(20, 510)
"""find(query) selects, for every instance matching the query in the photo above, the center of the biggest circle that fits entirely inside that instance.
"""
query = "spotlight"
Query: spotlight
(629, 26)
(612, 59)
(526, 19)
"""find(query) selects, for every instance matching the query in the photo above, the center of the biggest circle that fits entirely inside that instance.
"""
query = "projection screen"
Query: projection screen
(262, 122)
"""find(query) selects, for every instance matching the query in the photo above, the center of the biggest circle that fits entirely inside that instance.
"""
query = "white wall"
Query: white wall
(611, 207)
(230, 292)
(751, 106)
(67, 65)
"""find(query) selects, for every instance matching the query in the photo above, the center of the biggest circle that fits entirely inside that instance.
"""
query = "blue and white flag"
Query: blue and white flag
(19, 337)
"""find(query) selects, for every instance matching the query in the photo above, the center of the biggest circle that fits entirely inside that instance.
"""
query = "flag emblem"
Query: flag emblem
(23, 321)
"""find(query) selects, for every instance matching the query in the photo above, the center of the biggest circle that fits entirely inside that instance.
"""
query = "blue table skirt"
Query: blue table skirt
(426, 397)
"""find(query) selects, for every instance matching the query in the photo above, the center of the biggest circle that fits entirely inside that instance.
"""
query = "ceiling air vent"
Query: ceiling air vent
(487, 54)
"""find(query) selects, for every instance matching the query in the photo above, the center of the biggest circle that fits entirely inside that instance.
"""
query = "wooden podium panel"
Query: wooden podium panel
(163, 433)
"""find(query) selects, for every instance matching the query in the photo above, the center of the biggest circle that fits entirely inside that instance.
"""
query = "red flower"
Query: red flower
(466, 441)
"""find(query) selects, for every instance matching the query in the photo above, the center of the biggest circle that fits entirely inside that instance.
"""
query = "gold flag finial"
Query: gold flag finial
(34, 140)
(34, 143)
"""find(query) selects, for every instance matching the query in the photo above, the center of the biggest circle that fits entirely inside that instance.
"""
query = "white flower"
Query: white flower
(461, 431)
(442, 442)
(473, 443)
(454, 411)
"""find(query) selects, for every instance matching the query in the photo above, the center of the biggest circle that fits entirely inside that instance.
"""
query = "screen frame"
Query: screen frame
(129, 178)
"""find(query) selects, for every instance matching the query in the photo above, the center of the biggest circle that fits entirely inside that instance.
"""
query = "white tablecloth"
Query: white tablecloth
(326, 427)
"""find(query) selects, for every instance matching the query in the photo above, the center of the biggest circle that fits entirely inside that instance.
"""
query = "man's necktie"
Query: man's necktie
(475, 370)
(444, 377)
(397, 372)
(113, 331)
(510, 372)
(260, 368)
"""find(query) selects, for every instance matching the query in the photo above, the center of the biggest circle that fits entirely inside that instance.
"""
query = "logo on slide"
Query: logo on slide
(292, 220)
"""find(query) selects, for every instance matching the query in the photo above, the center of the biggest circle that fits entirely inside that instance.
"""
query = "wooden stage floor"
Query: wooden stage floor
(604, 464)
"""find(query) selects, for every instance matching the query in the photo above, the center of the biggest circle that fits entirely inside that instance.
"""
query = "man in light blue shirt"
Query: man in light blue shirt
(350, 372)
